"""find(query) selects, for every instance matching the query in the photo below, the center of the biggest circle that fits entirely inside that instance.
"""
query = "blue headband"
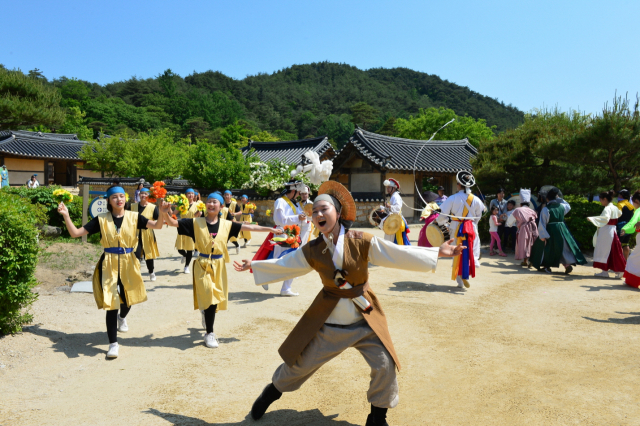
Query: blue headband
(216, 195)
(189, 190)
(227, 192)
(244, 196)
(115, 190)
(144, 190)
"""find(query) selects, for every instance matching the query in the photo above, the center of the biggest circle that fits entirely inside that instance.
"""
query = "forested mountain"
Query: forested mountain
(302, 100)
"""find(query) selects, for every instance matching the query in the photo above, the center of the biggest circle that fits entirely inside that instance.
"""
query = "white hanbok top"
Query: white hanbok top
(283, 215)
(610, 211)
(455, 204)
(381, 253)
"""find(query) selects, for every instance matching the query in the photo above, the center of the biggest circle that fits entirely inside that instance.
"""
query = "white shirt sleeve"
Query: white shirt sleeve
(289, 266)
(511, 221)
(280, 216)
(396, 203)
(601, 220)
(542, 225)
(446, 209)
(567, 207)
(410, 258)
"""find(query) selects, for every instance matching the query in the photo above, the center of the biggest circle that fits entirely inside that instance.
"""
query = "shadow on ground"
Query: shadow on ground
(91, 344)
(634, 319)
(243, 297)
(616, 285)
(430, 288)
(271, 418)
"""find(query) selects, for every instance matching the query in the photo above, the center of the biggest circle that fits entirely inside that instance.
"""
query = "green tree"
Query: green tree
(608, 146)
(74, 123)
(264, 136)
(156, 155)
(26, 101)
(216, 167)
(364, 115)
(429, 120)
(337, 128)
(388, 128)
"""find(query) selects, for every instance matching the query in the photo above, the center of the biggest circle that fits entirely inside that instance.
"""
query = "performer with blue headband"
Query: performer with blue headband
(147, 246)
(184, 244)
(247, 217)
(231, 211)
(117, 282)
(210, 235)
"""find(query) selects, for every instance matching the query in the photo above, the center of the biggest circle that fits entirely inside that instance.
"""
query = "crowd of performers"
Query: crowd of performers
(346, 312)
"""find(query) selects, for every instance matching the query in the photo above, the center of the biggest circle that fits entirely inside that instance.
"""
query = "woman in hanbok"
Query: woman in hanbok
(608, 250)
(627, 210)
(117, 281)
(346, 312)
(429, 214)
(210, 235)
(555, 244)
(632, 271)
(525, 219)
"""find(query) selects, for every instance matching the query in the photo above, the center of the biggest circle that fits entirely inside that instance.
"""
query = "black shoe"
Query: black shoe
(266, 398)
(378, 417)
(568, 270)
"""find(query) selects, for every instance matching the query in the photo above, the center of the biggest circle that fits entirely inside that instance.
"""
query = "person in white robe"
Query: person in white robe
(394, 206)
(287, 212)
(307, 225)
(608, 254)
(455, 205)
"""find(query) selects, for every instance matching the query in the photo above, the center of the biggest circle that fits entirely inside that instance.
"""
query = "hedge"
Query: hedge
(43, 196)
(18, 258)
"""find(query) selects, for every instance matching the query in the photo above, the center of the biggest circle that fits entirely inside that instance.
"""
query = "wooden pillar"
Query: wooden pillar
(85, 207)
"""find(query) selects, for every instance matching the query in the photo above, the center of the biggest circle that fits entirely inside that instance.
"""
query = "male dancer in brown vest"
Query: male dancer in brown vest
(346, 313)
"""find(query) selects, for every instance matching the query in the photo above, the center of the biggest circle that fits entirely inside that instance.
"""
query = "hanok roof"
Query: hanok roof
(290, 151)
(40, 145)
(110, 181)
(404, 154)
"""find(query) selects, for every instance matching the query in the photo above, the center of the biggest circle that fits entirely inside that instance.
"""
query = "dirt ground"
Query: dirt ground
(518, 348)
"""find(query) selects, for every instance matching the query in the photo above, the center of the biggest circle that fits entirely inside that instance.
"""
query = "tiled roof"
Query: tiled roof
(400, 154)
(40, 145)
(290, 151)
(110, 181)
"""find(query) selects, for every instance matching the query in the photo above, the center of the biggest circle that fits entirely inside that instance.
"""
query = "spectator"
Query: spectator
(136, 196)
(510, 232)
(33, 182)
(441, 197)
(4, 175)
(501, 204)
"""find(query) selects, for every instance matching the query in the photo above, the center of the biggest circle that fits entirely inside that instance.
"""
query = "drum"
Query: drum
(377, 216)
(435, 235)
(392, 224)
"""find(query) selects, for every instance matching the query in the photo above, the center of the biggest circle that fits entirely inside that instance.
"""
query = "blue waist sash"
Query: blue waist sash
(118, 250)
(212, 256)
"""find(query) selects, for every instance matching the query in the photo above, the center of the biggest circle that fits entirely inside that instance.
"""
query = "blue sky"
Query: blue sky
(573, 54)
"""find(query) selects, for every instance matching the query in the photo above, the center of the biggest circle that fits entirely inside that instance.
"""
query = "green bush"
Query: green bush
(18, 258)
(581, 229)
(43, 197)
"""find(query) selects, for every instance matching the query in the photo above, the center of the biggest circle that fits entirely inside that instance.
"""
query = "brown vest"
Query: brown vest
(356, 255)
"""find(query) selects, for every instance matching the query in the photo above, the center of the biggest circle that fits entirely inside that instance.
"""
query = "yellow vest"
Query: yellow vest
(183, 242)
(210, 275)
(246, 217)
(225, 212)
(126, 266)
(148, 240)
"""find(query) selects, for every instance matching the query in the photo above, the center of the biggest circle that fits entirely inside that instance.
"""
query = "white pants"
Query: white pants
(476, 244)
(277, 251)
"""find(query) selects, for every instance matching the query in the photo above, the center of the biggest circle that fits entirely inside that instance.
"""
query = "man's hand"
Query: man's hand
(278, 231)
(449, 250)
(302, 217)
(62, 209)
(245, 266)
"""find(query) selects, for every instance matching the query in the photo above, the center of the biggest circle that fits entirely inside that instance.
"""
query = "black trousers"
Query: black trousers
(210, 317)
(187, 254)
(112, 316)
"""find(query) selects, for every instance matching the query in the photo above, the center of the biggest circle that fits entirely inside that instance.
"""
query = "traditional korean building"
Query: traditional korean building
(52, 156)
(368, 159)
(291, 151)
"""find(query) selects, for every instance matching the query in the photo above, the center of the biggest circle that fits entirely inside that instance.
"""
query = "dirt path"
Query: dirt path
(517, 348)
